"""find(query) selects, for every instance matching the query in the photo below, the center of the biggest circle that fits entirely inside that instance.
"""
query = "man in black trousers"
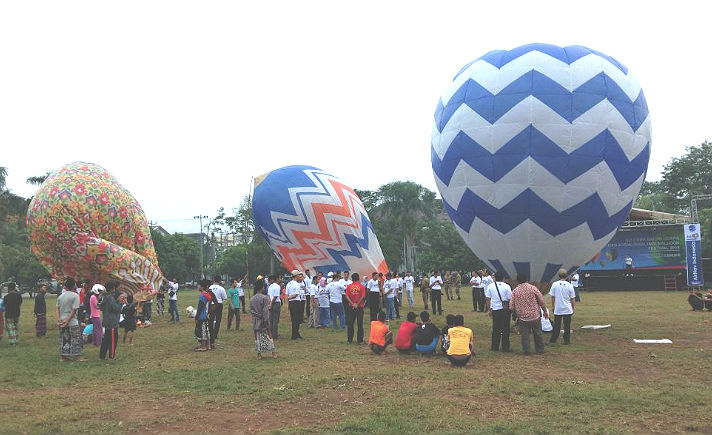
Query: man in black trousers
(295, 292)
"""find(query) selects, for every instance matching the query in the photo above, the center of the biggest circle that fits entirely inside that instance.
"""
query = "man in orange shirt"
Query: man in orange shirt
(380, 336)
(355, 298)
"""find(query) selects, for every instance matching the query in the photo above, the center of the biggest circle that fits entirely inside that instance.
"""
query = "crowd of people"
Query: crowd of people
(93, 313)
(339, 300)
(87, 314)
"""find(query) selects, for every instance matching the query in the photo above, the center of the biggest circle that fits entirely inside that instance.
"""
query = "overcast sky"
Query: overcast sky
(185, 101)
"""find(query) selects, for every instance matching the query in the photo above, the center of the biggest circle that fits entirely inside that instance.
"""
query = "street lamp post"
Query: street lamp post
(202, 245)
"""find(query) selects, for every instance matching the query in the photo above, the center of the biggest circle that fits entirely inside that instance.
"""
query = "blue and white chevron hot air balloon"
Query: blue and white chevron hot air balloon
(312, 220)
(539, 153)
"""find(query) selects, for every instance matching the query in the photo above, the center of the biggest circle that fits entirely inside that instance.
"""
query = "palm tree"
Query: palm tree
(407, 204)
(38, 179)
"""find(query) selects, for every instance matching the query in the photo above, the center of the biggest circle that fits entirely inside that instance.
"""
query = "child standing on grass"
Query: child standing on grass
(129, 312)
(202, 332)
(379, 336)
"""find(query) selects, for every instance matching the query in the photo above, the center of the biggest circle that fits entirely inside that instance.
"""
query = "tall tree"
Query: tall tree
(653, 196)
(688, 174)
(178, 255)
(406, 205)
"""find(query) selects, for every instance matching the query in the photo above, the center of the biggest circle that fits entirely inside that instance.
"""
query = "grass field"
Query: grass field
(601, 383)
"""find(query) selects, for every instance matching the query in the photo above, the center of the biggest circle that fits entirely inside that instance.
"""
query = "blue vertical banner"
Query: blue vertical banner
(693, 246)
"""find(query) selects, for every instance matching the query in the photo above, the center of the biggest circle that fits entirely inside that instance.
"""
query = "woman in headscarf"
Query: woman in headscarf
(259, 308)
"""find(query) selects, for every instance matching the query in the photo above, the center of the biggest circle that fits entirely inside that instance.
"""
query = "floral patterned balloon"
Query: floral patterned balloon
(83, 224)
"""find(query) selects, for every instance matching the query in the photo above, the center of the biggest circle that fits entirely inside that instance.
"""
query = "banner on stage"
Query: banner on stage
(645, 249)
(693, 248)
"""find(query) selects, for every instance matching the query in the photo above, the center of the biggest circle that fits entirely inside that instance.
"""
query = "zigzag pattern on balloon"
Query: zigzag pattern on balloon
(569, 105)
(565, 167)
(543, 183)
(590, 211)
(299, 245)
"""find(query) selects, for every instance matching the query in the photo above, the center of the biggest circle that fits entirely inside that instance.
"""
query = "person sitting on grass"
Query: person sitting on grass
(695, 300)
(462, 345)
(449, 323)
(405, 340)
(202, 332)
(708, 300)
(129, 322)
(379, 336)
(426, 335)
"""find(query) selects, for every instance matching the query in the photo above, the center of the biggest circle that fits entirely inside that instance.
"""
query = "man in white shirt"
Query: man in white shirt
(217, 311)
(241, 292)
(374, 296)
(436, 283)
(345, 281)
(478, 292)
(389, 292)
(336, 304)
(408, 282)
(307, 300)
(628, 261)
(498, 295)
(575, 282)
(173, 300)
(399, 293)
(486, 279)
(274, 291)
(295, 290)
(562, 300)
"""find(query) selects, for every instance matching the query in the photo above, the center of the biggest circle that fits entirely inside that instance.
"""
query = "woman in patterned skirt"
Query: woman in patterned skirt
(259, 308)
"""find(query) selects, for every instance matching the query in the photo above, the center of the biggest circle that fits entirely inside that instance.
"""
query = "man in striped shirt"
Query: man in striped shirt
(527, 304)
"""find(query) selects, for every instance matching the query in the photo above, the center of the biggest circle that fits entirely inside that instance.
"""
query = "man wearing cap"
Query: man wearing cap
(295, 288)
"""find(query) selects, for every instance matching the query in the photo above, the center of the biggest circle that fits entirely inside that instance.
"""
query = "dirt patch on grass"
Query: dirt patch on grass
(180, 416)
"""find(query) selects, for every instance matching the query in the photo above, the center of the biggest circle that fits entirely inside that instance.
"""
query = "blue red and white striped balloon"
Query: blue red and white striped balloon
(539, 153)
(312, 220)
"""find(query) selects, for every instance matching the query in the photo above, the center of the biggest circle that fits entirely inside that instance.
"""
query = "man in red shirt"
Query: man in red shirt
(527, 303)
(405, 341)
(355, 298)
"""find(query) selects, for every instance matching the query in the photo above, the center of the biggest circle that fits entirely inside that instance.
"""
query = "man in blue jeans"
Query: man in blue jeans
(336, 292)
(426, 335)
(389, 291)
(173, 300)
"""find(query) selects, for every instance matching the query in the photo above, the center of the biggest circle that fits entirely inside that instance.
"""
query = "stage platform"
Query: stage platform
(636, 280)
